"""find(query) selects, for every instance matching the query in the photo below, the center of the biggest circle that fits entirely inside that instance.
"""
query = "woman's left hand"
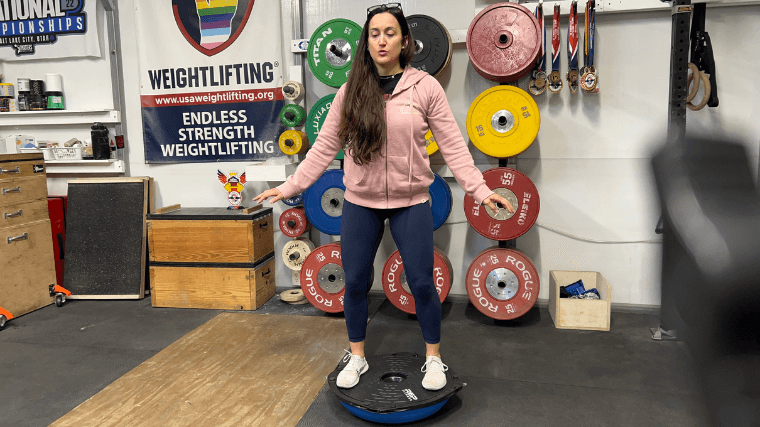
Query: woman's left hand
(494, 199)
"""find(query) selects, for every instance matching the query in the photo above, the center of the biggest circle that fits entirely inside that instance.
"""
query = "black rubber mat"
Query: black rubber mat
(495, 402)
(526, 372)
(97, 263)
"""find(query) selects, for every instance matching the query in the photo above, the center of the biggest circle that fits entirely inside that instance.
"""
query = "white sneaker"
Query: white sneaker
(435, 373)
(350, 374)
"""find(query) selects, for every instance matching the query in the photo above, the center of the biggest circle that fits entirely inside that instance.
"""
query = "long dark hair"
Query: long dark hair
(362, 127)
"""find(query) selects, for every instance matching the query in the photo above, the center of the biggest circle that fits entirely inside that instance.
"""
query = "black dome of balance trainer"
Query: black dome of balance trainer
(391, 390)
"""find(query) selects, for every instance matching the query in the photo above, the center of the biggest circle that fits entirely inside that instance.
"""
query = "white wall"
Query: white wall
(590, 161)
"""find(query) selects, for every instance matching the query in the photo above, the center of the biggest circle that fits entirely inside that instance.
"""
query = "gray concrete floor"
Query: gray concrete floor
(523, 372)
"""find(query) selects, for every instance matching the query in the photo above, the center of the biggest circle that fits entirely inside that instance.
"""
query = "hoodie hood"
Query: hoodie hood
(411, 77)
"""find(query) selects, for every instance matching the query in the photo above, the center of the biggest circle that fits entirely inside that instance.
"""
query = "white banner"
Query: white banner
(47, 29)
(211, 73)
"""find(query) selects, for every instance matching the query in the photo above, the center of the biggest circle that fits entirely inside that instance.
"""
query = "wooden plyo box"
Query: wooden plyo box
(211, 258)
(220, 288)
(569, 313)
(211, 235)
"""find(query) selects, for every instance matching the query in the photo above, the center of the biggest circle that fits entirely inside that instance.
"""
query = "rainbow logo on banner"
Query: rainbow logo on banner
(216, 21)
(211, 26)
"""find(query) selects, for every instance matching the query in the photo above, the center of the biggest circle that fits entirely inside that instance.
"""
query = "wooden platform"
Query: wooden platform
(238, 369)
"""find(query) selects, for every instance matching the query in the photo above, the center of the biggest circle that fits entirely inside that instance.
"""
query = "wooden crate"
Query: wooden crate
(210, 235)
(569, 313)
(213, 287)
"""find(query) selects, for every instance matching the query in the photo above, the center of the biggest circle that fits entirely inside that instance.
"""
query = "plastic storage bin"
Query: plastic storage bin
(67, 153)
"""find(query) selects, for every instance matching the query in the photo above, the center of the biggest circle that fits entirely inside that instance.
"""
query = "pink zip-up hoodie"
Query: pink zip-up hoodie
(399, 175)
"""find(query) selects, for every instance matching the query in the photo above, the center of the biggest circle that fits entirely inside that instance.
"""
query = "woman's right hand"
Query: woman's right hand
(272, 192)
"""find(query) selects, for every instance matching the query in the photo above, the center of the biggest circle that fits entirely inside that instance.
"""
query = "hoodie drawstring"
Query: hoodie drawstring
(411, 131)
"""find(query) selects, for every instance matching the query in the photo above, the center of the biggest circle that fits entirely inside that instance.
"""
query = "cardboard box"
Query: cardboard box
(14, 143)
(569, 313)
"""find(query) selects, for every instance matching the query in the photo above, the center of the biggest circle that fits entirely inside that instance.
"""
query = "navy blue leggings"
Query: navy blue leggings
(361, 230)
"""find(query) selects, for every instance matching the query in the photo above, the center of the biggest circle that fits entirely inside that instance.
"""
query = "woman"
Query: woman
(380, 117)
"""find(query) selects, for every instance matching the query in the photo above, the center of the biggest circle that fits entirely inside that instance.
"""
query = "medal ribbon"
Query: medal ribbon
(555, 39)
(572, 37)
(541, 63)
(589, 36)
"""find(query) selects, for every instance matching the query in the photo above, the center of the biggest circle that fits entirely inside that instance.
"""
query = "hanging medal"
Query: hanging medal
(537, 85)
(572, 49)
(588, 75)
(584, 68)
(555, 78)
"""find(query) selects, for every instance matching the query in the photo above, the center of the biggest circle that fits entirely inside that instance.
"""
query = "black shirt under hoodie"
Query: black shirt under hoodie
(388, 83)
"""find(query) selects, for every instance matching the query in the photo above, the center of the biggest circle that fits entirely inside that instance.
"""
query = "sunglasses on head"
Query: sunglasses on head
(383, 7)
